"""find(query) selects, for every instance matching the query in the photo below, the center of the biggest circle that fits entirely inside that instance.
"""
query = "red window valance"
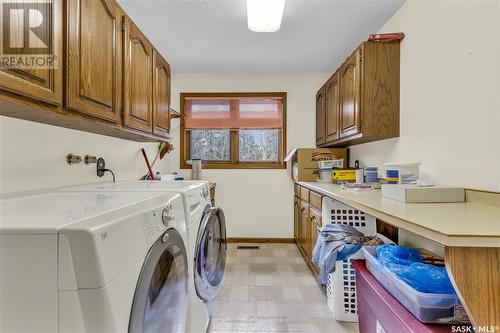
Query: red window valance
(233, 112)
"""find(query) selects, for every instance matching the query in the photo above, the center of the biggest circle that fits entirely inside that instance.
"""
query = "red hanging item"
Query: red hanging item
(389, 37)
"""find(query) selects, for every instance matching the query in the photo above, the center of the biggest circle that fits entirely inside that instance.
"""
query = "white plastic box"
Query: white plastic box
(417, 194)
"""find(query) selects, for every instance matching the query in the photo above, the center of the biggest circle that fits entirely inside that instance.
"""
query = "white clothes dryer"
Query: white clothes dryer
(206, 234)
(99, 262)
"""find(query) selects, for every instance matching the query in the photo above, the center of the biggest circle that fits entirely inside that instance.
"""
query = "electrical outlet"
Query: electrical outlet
(101, 167)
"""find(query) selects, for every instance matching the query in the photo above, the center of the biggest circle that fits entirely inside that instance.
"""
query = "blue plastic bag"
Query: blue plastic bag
(408, 266)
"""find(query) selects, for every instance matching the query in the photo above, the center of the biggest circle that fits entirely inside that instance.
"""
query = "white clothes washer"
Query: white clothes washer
(206, 234)
(98, 262)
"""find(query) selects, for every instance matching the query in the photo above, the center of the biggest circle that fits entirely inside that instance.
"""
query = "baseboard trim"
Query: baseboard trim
(258, 240)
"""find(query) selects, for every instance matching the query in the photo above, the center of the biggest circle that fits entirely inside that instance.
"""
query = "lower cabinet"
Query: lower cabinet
(296, 218)
(304, 230)
(314, 225)
(306, 222)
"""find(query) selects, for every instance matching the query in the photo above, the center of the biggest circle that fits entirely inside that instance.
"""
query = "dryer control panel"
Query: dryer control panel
(153, 222)
(157, 220)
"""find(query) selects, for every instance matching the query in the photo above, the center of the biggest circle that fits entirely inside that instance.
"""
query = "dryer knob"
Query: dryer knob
(205, 192)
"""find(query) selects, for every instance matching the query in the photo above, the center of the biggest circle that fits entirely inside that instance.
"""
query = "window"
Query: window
(233, 130)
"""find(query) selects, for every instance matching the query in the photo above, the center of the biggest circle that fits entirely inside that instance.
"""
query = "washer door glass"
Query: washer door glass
(210, 253)
(160, 300)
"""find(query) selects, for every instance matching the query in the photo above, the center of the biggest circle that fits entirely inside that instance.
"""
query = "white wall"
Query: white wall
(33, 156)
(450, 103)
(257, 203)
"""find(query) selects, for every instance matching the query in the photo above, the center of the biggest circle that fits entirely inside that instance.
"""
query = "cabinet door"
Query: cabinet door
(93, 70)
(314, 225)
(137, 81)
(332, 104)
(296, 219)
(161, 95)
(350, 83)
(320, 116)
(304, 229)
(43, 79)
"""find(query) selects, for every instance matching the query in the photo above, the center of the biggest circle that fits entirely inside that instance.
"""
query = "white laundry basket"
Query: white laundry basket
(341, 287)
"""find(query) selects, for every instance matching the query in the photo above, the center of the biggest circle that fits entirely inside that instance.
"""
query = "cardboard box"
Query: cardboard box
(305, 161)
(418, 194)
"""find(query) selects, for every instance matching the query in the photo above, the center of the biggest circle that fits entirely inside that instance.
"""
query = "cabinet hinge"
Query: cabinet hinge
(123, 24)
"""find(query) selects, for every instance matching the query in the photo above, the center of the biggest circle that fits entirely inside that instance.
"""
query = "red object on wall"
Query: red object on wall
(390, 37)
(151, 174)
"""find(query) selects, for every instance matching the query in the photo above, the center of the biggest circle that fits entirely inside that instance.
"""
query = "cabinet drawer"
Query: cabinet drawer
(297, 190)
(315, 200)
(304, 194)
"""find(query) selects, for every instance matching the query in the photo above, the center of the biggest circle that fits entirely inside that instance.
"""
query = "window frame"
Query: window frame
(234, 162)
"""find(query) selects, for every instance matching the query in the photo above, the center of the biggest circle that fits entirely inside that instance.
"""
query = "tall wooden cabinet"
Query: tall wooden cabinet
(137, 79)
(43, 84)
(361, 98)
(94, 53)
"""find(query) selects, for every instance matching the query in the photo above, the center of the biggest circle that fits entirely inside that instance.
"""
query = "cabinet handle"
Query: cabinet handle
(315, 220)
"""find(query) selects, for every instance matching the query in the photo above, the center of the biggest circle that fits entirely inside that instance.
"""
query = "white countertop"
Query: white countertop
(451, 224)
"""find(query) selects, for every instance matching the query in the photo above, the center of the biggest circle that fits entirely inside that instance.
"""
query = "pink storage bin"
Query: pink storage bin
(379, 311)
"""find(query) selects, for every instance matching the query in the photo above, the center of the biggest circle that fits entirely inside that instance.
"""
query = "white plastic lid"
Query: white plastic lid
(396, 164)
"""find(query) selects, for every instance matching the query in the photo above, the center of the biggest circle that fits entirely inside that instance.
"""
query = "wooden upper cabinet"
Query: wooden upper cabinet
(362, 97)
(332, 108)
(44, 81)
(161, 96)
(350, 81)
(93, 70)
(320, 116)
(137, 79)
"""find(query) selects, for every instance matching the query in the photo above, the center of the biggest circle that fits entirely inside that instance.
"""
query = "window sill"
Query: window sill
(239, 166)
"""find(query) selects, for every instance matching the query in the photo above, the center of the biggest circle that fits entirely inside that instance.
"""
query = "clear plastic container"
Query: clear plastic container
(325, 175)
(427, 307)
(331, 164)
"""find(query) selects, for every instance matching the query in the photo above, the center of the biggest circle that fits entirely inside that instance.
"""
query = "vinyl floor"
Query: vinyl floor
(271, 290)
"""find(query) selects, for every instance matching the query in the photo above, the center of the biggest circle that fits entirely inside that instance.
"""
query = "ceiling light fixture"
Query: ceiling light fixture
(265, 15)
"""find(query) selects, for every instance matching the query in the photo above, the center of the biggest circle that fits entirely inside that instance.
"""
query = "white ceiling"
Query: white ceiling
(211, 36)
